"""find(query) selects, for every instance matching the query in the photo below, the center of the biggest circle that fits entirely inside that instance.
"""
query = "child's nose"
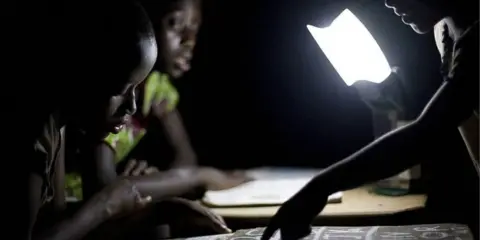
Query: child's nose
(132, 108)
(189, 38)
(131, 104)
(388, 3)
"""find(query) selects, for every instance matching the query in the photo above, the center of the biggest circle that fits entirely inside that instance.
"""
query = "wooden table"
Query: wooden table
(358, 203)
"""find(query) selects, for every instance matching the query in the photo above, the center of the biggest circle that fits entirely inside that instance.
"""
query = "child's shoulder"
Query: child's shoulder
(47, 147)
(50, 136)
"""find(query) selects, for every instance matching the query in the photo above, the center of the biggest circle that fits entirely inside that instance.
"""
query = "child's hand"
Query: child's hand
(193, 218)
(295, 216)
(215, 179)
(138, 168)
(120, 198)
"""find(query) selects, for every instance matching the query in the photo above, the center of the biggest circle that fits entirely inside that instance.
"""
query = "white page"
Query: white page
(271, 187)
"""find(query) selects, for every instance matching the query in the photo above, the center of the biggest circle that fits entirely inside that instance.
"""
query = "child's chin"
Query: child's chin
(117, 129)
(420, 29)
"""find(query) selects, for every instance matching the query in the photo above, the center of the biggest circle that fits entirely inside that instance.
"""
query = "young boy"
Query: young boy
(109, 48)
(176, 23)
(454, 103)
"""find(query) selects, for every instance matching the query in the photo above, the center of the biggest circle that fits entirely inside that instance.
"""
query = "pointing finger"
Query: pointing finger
(269, 231)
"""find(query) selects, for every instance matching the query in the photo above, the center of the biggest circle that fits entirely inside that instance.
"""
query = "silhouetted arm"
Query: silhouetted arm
(405, 147)
(454, 102)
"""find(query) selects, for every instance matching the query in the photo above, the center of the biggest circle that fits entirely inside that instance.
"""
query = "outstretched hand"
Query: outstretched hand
(294, 217)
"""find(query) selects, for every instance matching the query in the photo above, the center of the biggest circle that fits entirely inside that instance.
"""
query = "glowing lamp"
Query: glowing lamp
(352, 50)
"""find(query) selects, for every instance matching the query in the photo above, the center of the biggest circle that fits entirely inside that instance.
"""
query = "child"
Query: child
(176, 23)
(454, 103)
(89, 37)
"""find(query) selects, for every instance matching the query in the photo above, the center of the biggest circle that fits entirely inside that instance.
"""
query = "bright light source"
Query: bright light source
(352, 50)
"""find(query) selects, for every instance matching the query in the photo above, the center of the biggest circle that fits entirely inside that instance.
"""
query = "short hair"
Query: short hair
(109, 25)
(159, 8)
(103, 35)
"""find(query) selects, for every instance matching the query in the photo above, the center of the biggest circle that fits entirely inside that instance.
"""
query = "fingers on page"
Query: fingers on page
(142, 201)
(129, 167)
(141, 166)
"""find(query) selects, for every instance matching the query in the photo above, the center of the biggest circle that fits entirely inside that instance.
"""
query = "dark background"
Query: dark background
(262, 92)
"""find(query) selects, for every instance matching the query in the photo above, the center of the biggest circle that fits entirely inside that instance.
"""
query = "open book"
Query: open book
(430, 231)
(272, 186)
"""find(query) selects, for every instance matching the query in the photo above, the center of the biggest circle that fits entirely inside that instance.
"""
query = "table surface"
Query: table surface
(355, 202)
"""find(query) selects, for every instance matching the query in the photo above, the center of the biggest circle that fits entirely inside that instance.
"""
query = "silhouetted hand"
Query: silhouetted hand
(295, 216)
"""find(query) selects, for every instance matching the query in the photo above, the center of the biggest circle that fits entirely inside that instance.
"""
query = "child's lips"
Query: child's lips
(119, 124)
(183, 64)
(118, 128)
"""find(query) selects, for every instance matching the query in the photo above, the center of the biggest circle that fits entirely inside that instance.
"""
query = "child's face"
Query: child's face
(421, 15)
(176, 34)
(114, 106)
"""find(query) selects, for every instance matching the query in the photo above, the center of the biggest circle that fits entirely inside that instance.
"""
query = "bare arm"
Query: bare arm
(172, 183)
(72, 228)
(178, 138)
(76, 227)
(404, 147)
(98, 168)
(454, 102)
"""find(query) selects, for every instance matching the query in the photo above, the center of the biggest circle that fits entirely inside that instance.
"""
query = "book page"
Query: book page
(271, 187)
(428, 231)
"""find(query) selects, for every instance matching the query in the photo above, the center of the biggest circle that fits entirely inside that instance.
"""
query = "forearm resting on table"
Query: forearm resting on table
(173, 183)
(76, 227)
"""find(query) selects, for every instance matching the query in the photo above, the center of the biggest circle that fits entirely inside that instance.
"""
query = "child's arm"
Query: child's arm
(100, 171)
(178, 138)
(97, 168)
(29, 203)
(80, 224)
(390, 154)
(171, 183)
(400, 149)
(117, 199)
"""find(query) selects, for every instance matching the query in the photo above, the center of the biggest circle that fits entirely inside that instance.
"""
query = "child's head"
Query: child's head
(114, 51)
(422, 15)
(176, 24)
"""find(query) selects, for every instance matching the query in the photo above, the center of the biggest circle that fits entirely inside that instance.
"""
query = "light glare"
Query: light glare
(352, 50)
